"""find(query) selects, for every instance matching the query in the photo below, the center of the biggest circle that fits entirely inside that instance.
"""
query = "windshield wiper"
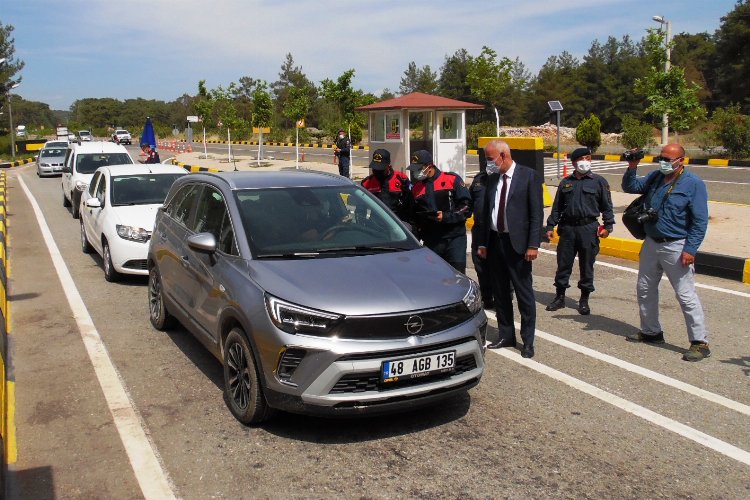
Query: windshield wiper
(288, 255)
(363, 248)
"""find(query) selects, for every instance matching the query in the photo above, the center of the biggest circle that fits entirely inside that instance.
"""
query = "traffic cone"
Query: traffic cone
(565, 168)
(190, 148)
(302, 156)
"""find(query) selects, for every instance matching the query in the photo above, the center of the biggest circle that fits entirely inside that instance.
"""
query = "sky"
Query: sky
(161, 49)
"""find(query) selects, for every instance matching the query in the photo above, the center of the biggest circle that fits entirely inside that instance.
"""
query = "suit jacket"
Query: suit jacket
(524, 209)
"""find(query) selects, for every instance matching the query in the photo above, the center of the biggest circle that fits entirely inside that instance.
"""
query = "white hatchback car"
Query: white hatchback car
(118, 211)
(81, 162)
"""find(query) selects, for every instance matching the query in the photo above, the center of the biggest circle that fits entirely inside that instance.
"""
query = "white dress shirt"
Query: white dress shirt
(509, 173)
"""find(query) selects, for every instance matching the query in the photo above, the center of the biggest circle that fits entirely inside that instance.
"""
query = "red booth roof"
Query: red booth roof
(418, 100)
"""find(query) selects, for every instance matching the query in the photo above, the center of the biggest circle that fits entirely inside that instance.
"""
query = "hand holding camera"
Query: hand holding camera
(633, 156)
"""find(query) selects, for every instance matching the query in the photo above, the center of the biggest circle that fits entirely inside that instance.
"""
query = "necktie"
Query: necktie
(501, 207)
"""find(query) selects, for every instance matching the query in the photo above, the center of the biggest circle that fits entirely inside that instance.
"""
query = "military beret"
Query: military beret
(579, 153)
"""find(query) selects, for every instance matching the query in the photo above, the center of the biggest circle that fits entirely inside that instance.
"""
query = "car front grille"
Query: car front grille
(364, 382)
(136, 264)
(402, 325)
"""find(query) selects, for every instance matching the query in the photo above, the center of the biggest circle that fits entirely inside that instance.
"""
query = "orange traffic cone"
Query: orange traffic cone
(190, 148)
(302, 156)
(565, 168)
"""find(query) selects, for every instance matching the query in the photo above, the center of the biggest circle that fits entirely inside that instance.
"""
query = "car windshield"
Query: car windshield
(56, 144)
(121, 132)
(88, 163)
(83, 132)
(146, 189)
(318, 221)
(50, 153)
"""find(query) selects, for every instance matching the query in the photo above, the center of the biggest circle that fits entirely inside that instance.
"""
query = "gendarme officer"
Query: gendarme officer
(389, 186)
(579, 200)
(441, 205)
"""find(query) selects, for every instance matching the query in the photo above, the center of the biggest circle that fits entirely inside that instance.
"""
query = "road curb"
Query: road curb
(5, 384)
(707, 263)
(17, 163)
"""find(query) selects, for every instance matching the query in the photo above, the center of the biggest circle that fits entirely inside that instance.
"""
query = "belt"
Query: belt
(578, 222)
(665, 240)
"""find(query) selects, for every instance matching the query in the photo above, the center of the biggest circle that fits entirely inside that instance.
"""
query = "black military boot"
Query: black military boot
(558, 302)
(583, 304)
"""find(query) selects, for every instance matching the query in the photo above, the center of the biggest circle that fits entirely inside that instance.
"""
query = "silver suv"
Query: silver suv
(312, 294)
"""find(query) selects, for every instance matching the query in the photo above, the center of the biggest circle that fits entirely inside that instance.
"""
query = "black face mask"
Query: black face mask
(379, 174)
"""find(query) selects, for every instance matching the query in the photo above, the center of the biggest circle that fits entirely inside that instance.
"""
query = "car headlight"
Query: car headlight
(473, 298)
(292, 318)
(133, 233)
(45, 165)
(81, 186)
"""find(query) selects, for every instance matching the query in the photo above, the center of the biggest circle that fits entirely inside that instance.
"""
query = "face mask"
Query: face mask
(379, 174)
(666, 167)
(422, 174)
(341, 136)
(492, 168)
(583, 166)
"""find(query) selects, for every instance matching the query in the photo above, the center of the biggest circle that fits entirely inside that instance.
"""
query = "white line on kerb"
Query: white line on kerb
(667, 423)
(148, 470)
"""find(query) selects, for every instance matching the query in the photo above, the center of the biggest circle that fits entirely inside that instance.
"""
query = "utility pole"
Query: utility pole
(667, 64)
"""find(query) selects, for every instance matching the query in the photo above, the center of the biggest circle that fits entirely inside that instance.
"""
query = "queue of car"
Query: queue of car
(312, 294)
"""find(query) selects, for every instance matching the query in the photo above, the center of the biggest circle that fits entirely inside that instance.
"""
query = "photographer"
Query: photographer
(675, 224)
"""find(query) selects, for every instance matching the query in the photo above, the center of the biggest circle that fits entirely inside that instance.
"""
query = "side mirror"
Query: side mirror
(66, 169)
(202, 243)
(93, 203)
(36, 157)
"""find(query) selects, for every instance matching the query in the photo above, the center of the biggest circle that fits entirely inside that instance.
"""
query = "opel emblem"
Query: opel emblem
(414, 325)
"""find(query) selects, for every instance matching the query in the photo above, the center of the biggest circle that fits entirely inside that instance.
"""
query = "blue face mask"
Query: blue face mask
(492, 168)
(666, 167)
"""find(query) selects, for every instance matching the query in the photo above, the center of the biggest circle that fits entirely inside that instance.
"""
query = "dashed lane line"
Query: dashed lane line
(143, 457)
(667, 423)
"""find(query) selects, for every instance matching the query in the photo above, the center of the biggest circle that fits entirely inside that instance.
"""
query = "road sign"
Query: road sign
(265, 130)
(301, 123)
(193, 119)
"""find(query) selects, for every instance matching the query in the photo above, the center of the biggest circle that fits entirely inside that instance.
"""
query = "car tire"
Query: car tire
(76, 207)
(158, 313)
(243, 393)
(109, 269)
(66, 202)
(85, 245)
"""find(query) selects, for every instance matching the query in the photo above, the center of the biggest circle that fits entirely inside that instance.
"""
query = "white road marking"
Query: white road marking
(667, 423)
(639, 370)
(143, 457)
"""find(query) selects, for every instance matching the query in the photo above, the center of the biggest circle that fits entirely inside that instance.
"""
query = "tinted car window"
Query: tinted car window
(281, 221)
(210, 213)
(101, 188)
(48, 153)
(183, 201)
(88, 163)
(146, 189)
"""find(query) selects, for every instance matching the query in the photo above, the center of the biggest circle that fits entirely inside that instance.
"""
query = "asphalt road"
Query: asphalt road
(725, 184)
(590, 416)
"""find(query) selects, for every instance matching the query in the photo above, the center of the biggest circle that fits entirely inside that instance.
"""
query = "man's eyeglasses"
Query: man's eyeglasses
(670, 160)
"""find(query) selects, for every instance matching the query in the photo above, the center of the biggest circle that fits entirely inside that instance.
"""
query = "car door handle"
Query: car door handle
(184, 260)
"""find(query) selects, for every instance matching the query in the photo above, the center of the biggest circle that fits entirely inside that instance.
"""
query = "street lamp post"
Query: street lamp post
(667, 42)
(12, 131)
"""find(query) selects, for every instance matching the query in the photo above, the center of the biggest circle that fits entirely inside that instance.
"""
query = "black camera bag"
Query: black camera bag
(637, 207)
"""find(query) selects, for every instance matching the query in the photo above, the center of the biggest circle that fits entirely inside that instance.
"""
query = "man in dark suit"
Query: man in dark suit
(510, 231)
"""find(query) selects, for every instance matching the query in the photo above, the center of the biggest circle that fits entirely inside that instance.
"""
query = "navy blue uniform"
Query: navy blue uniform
(575, 212)
(344, 145)
(394, 190)
(477, 190)
(444, 192)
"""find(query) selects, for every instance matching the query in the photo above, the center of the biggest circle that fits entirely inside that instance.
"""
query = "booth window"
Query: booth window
(386, 127)
(450, 126)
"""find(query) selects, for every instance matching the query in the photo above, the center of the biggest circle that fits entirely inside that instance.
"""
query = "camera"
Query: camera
(633, 155)
(648, 215)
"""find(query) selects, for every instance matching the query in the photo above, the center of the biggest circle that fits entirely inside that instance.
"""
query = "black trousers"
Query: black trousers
(344, 162)
(580, 240)
(507, 267)
(483, 274)
(451, 248)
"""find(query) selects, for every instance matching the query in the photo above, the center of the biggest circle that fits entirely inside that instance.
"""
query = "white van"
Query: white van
(21, 131)
(81, 162)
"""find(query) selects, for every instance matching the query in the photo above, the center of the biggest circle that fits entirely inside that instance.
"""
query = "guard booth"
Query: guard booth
(420, 121)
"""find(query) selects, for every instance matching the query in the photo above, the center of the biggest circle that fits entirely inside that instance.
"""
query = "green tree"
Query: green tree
(696, 55)
(589, 132)
(262, 111)
(557, 80)
(290, 77)
(418, 80)
(636, 134)
(668, 91)
(204, 106)
(732, 61)
(453, 73)
(488, 79)
(11, 66)
(343, 96)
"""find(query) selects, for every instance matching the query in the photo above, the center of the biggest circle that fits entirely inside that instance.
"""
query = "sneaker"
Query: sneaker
(697, 352)
(657, 338)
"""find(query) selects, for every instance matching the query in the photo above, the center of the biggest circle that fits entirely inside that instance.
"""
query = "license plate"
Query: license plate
(419, 366)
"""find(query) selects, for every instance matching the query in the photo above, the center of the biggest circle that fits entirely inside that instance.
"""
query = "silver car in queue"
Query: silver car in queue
(312, 294)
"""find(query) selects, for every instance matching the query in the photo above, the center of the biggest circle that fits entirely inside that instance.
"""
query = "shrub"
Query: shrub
(636, 134)
(732, 130)
(481, 129)
(589, 132)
